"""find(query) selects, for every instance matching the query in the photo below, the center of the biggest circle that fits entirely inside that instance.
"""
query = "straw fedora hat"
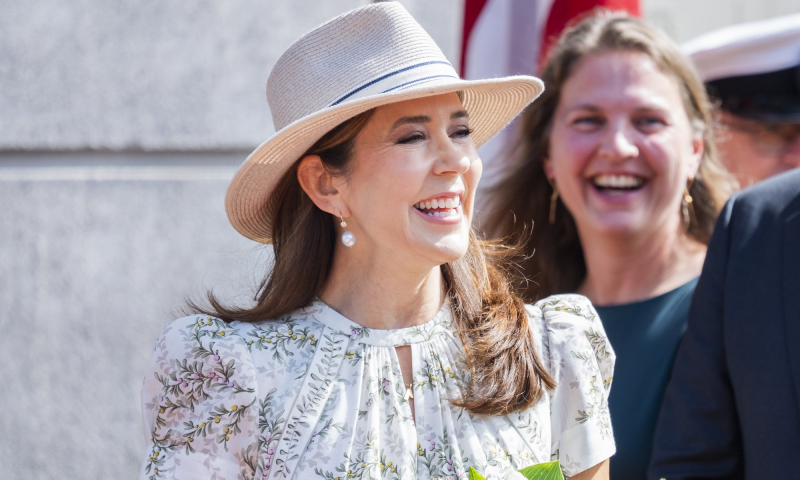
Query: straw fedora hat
(365, 58)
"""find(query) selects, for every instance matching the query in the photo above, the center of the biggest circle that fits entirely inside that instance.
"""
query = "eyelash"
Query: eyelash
(461, 133)
(464, 132)
(597, 120)
(650, 120)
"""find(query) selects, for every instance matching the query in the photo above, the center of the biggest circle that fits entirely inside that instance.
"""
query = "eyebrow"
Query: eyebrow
(426, 119)
(591, 108)
(416, 119)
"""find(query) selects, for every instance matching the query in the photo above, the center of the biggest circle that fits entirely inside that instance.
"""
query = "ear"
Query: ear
(698, 147)
(547, 165)
(320, 186)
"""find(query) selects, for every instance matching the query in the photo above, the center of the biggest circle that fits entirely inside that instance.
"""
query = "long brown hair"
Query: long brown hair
(520, 202)
(506, 372)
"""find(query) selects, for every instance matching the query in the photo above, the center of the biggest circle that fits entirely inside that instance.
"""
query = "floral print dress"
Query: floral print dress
(314, 395)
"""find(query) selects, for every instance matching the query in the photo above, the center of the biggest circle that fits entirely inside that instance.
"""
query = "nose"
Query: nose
(452, 159)
(618, 143)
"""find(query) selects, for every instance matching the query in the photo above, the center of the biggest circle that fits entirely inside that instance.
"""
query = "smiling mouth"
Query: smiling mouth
(617, 184)
(440, 207)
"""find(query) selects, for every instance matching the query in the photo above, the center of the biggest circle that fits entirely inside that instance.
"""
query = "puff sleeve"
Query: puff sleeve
(199, 403)
(582, 363)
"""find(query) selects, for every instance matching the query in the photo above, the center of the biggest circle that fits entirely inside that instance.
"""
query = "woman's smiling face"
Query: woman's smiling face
(412, 187)
(622, 147)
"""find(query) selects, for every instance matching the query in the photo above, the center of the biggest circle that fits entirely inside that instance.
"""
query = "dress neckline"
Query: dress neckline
(323, 313)
(679, 290)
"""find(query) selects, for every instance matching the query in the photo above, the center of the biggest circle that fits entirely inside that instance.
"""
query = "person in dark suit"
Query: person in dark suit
(732, 406)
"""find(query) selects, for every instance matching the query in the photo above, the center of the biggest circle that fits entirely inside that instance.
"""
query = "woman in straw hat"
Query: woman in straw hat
(386, 342)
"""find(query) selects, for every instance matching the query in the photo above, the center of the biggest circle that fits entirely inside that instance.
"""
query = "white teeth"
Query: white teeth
(451, 204)
(617, 181)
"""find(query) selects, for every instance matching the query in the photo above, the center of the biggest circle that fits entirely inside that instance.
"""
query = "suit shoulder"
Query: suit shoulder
(771, 196)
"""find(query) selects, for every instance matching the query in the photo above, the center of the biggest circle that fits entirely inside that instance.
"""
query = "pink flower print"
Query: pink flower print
(230, 384)
(271, 451)
(216, 358)
(197, 376)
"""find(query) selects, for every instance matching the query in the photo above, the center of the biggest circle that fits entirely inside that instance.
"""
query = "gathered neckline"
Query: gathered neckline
(326, 315)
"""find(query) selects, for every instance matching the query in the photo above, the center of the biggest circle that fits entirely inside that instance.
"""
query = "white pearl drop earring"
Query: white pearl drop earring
(348, 238)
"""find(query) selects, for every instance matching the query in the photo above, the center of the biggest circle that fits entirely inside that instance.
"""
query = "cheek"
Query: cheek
(386, 193)
(738, 153)
(570, 152)
(473, 176)
(672, 158)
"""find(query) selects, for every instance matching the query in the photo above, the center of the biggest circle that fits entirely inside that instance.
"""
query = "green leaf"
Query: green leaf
(474, 475)
(543, 471)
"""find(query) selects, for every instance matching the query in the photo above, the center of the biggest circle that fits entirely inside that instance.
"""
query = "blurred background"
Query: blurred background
(121, 124)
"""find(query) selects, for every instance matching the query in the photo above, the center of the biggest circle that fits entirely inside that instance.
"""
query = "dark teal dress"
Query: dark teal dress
(645, 337)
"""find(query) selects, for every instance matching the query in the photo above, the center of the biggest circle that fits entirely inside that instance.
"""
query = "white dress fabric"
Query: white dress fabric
(315, 395)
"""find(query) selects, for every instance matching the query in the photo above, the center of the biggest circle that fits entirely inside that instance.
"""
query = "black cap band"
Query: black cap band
(772, 97)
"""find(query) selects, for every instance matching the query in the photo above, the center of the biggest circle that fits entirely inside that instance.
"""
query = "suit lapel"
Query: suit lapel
(791, 291)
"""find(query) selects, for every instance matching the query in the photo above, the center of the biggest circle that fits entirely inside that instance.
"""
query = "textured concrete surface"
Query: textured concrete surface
(90, 273)
(157, 74)
(686, 19)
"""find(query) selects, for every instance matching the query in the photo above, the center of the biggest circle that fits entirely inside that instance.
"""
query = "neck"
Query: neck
(382, 294)
(625, 269)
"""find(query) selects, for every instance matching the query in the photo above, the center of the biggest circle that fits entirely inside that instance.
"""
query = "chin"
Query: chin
(621, 224)
(447, 250)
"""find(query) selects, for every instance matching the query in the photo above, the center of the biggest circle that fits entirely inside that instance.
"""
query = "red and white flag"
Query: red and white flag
(511, 37)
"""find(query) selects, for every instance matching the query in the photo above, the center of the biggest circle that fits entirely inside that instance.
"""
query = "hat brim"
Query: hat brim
(491, 105)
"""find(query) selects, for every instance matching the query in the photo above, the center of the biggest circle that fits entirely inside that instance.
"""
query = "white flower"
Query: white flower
(516, 476)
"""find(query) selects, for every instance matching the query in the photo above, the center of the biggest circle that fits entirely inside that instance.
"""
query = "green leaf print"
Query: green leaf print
(474, 475)
(543, 471)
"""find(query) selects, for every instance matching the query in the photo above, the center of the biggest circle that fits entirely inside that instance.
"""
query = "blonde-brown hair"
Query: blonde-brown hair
(506, 372)
(521, 200)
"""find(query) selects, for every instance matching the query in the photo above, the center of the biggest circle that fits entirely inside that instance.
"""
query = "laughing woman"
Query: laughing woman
(616, 171)
(386, 342)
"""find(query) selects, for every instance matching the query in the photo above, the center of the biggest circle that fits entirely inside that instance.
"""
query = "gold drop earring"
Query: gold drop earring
(687, 209)
(553, 200)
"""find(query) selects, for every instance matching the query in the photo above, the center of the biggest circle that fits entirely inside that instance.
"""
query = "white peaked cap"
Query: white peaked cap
(747, 48)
